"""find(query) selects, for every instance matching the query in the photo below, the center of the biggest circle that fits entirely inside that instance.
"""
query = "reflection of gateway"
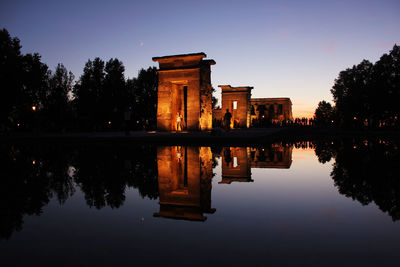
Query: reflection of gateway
(184, 181)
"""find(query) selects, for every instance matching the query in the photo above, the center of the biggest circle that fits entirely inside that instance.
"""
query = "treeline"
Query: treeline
(365, 96)
(35, 98)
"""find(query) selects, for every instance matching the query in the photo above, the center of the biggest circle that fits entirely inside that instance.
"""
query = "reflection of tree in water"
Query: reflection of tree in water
(29, 179)
(366, 171)
(325, 150)
(32, 175)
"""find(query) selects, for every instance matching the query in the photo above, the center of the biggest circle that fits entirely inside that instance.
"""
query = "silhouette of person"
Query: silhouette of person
(227, 119)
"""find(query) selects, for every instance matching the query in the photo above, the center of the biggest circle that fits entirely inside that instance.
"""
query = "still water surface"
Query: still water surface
(325, 203)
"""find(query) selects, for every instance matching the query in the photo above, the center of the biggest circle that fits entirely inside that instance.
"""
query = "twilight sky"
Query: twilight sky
(283, 48)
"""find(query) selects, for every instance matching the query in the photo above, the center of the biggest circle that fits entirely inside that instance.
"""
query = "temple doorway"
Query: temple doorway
(179, 107)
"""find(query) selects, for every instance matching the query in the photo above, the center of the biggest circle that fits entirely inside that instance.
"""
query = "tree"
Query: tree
(352, 94)
(368, 94)
(24, 81)
(114, 97)
(87, 93)
(386, 85)
(10, 71)
(58, 108)
(324, 113)
(143, 95)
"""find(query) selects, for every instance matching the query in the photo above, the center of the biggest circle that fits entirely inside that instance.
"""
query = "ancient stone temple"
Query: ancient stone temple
(271, 110)
(184, 91)
(184, 182)
(237, 101)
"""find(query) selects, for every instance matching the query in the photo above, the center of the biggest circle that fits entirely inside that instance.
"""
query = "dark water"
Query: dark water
(309, 203)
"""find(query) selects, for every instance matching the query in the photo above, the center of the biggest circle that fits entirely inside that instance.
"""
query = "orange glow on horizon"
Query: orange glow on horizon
(303, 114)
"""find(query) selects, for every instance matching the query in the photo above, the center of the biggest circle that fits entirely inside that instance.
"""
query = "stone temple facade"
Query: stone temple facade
(185, 98)
(250, 112)
(184, 89)
(237, 101)
(274, 110)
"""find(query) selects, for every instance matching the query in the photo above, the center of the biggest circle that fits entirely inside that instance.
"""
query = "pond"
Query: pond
(334, 202)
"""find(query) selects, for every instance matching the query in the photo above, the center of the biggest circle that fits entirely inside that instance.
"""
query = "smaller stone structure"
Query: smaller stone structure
(237, 101)
(270, 110)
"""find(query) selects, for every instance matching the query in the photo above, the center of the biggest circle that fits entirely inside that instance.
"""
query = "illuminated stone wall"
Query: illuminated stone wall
(184, 87)
(240, 95)
(274, 109)
(184, 179)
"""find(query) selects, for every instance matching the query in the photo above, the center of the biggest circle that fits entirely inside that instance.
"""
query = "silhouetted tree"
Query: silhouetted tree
(367, 94)
(57, 109)
(114, 97)
(87, 94)
(24, 81)
(351, 94)
(33, 97)
(386, 94)
(324, 113)
(143, 97)
(10, 78)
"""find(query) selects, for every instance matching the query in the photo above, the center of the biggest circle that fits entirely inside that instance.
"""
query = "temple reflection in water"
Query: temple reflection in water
(184, 181)
(185, 175)
(235, 165)
(238, 161)
(276, 156)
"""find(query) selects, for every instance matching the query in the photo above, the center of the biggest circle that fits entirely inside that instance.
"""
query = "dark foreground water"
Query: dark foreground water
(334, 203)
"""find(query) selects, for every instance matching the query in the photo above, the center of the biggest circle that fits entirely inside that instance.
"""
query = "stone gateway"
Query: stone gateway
(184, 92)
